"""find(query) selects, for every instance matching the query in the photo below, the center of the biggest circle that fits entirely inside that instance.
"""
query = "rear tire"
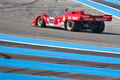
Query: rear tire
(72, 25)
(97, 27)
(41, 22)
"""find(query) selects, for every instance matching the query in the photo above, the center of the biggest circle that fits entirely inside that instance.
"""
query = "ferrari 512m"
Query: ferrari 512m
(73, 21)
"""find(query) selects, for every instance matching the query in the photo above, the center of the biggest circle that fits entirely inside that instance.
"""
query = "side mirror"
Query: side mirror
(66, 10)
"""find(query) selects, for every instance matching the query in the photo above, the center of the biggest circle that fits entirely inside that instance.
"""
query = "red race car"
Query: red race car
(73, 21)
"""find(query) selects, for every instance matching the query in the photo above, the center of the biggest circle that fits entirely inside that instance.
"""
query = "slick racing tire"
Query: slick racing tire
(72, 25)
(41, 22)
(98, 27)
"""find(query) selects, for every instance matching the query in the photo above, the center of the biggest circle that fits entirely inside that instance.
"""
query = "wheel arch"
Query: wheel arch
(66, 24)
(34, 22)
(99, 28)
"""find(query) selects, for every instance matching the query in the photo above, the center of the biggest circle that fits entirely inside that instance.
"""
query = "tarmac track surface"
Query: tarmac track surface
(50, 73)
(15, 18)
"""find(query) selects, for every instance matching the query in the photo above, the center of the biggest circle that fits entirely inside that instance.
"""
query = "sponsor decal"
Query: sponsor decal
(44, 18)
(58, 20)
(63, 18)
(62, 23)
(51, 20)
(90, 19)
(47, 19)
(101, 19)
(75, 18)
(69, 17)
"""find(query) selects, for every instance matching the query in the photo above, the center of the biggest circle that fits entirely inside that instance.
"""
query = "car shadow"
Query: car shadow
(110, 33)
(105, 33)
(84, 31)
(56, 28)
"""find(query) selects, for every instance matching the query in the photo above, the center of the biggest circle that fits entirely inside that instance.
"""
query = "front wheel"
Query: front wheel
(72, 25)
(97, 27)
(41, 22)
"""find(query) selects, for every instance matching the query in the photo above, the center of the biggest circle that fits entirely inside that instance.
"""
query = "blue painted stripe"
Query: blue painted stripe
(59, 67)
(62, 55)
(113, 1)
(58, 44)
(101, 7)
(11, 76)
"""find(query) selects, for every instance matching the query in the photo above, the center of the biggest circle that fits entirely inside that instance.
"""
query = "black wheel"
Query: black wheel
(72, 25)
(40, 22)
(97, 27)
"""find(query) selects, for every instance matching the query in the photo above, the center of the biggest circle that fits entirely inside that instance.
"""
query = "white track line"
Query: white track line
(98, 9)
(60, 47)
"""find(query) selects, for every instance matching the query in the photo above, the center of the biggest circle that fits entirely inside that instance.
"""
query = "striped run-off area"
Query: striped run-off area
(26, 61)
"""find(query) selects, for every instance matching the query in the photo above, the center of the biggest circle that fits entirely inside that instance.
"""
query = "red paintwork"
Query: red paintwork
(70, 15)
(33, 23)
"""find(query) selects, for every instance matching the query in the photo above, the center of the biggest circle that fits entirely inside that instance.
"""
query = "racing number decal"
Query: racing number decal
(51, 20)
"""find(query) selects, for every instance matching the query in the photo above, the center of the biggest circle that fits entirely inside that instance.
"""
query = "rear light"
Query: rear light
(85, 16)
(106, 16)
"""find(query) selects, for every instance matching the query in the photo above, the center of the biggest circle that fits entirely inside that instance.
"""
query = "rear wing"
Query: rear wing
(96, 18)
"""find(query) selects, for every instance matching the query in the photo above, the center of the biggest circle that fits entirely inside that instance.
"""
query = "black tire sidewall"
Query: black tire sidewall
(75, 26)
(100, 26)
(43, 22)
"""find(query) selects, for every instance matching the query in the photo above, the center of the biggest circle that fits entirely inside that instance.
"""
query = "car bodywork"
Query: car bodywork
(60, 20)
